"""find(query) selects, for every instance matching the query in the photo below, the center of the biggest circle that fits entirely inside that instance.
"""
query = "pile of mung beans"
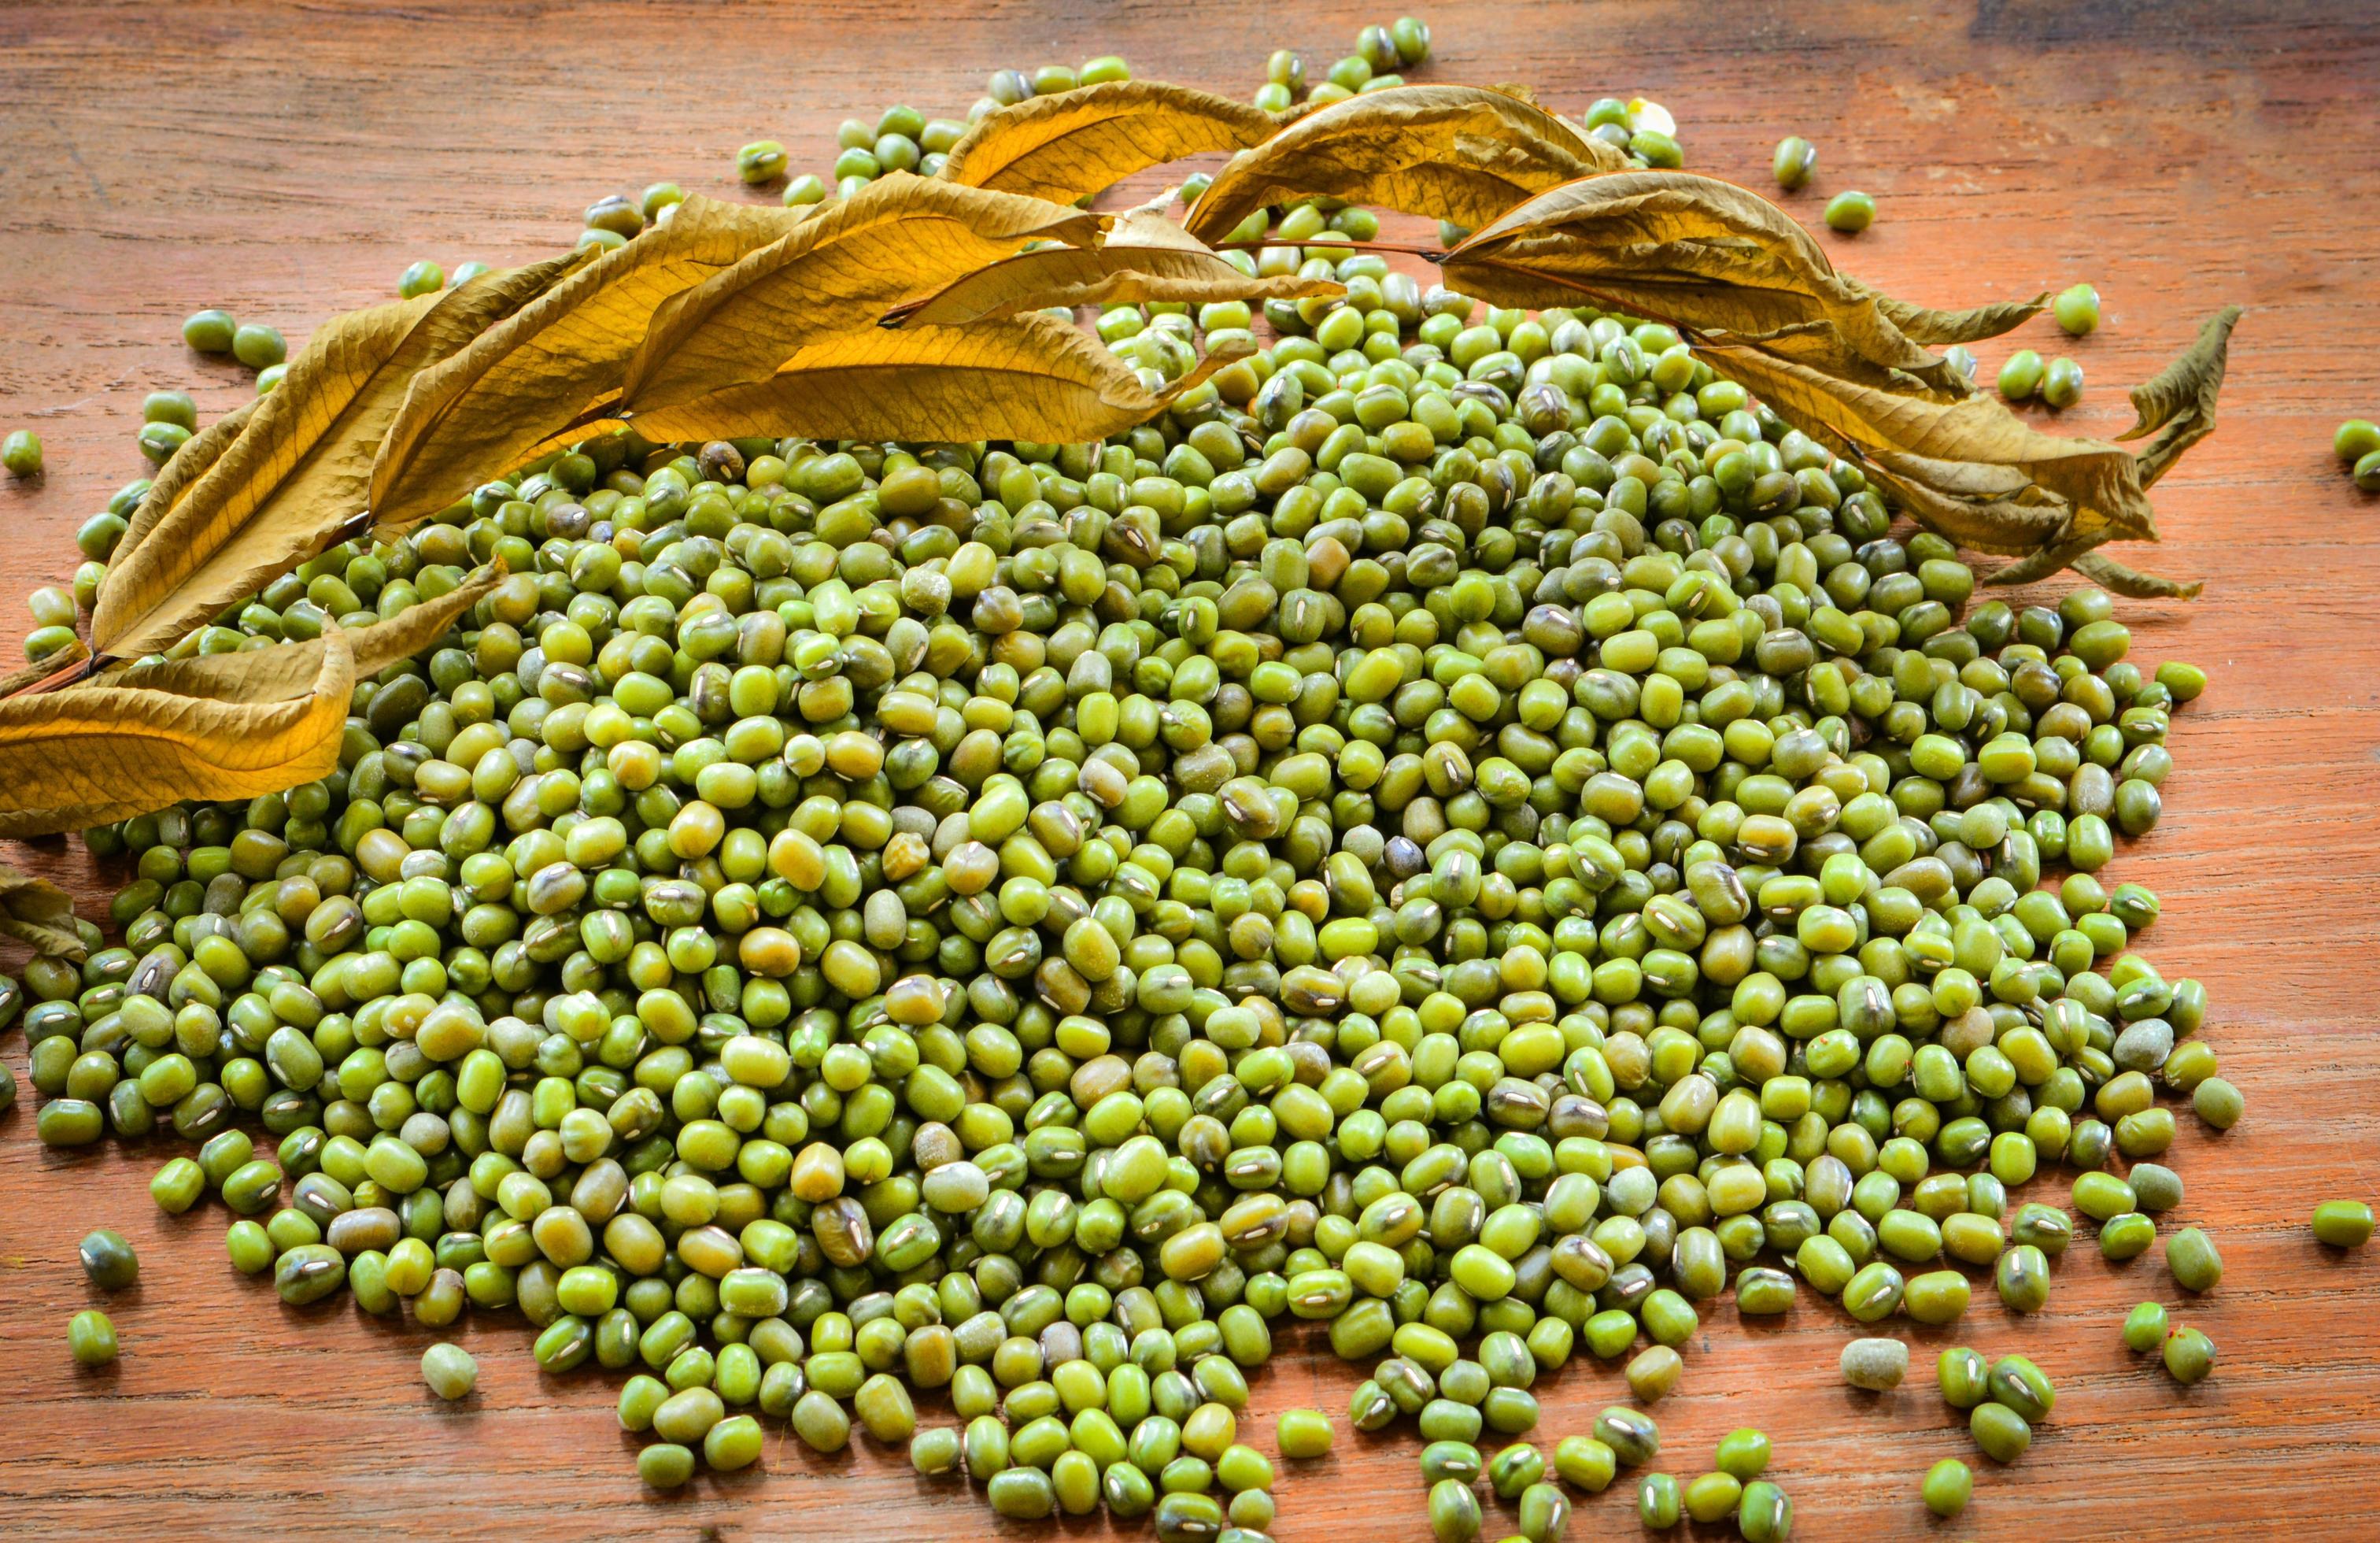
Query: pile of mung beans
(1468, 830)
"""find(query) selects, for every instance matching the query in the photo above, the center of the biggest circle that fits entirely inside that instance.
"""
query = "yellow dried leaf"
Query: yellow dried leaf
(277, 673)
(1029, 378)
(1075, 143)
(199, 452)
(473, 416)
(1712, 258)
(191, 728)
(2178, 402)
(296, 469)
(835, 271)
(36, 912)
(1463, 153)
(1104, 275)
(1146, 257)
(1147, 225)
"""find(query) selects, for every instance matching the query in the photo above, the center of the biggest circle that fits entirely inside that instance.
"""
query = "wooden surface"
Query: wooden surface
(287, 160)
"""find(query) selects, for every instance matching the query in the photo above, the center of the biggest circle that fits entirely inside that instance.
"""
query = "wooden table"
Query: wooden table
(287, 160)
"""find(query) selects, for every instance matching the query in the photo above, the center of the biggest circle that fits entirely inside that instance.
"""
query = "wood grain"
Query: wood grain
(286, 161)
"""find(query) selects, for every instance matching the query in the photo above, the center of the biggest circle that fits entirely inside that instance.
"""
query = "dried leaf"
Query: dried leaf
(1969, 469)
(296, 469)
(2109, 574)
(1463, 153)
(193, 728)
(2044, 560)
(1751, 290)
(1071, 276)
(1146, 224)
(1075, 143)
(277, 673)
(2178, 402)
(36, 912)
(1146, 257)
(1715, 259)
(835, 272)
(1030, 378)
(1939, 329)
(65, 657)
(199, 452)
(476, 414)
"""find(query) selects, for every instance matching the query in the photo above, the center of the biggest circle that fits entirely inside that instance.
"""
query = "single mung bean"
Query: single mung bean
(1743, 1453)
(1713, 1497)
(1877, 1365)
(20, 453)
(2016, 1381)
(2001, 1431)
(1948, 1487)
(1302, 1434)
(2127, 1236)
(1765, 1514)
(1963, 1376)
(108, 1260)
(1850, 213)
(1453, 1511)
(2189, 1355)
(2343, 1223)
(2020, 378)
(1630, 1434)
(1660, 1504)
(2192, 1257)
(665, 1464)
(209, 331)
(449, 1371)
(2061, 382)
(258, 346)
(1585, 1463)
(2077, 309)
(92, 1337)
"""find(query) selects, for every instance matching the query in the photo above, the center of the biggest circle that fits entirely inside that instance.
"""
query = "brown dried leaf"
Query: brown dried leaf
(282, 481)
(1029, 377)
(476, 414)
(74, 654)
(1939, 329)
(193, 728)
(835, 271)
(2109, 574)
(1464, 154)
(1711, 258)
(1075, 143)
(1146, 257)
(36, 912)
(2044, 560)
(2178, 402)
